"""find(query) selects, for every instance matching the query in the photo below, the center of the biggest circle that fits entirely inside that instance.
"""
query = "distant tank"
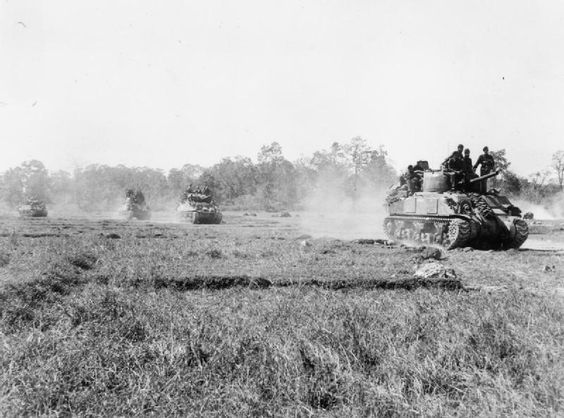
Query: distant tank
(33, 208)
(198, 206)
(438, 215)
(135, 206)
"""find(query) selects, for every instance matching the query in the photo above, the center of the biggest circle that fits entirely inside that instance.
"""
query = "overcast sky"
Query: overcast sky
(166, 83)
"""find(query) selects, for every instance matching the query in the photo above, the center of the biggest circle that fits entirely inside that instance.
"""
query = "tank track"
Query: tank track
(447, 232)
(521, 233)
(481, 206)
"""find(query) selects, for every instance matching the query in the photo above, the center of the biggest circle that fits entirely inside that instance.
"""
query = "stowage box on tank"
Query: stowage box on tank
(454, 218)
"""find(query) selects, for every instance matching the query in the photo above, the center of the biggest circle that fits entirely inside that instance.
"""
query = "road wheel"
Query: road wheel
(457, 235)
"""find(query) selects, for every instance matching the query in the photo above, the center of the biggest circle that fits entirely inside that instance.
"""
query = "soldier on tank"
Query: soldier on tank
(468, 169)
(459, 150)
(486, 162)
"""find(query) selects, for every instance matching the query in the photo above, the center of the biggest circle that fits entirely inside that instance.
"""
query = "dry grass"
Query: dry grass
(221, 320)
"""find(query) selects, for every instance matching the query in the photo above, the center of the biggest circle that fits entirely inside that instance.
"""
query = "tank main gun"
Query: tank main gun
(484, 177)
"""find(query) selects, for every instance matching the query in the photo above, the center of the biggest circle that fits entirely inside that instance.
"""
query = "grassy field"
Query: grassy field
(107, 317)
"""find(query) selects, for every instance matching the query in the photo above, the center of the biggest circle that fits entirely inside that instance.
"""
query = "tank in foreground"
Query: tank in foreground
(33, 208)
(135, 206)
(199, 208)
(440, 216)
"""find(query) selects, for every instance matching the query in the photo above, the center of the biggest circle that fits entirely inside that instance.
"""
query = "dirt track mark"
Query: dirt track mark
(226, 282)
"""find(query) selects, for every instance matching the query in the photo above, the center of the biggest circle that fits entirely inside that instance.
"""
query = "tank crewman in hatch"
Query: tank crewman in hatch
(419, 166)
(455, 167)
(413, 179)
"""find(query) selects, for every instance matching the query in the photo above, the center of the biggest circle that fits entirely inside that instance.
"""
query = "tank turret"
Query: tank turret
(460, 216)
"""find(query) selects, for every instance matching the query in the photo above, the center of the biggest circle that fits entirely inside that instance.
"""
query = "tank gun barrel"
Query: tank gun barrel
(486, 176)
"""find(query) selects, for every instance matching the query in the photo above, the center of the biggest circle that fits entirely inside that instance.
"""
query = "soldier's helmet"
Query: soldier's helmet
(460, 147)
(485, 149)
(466, 151)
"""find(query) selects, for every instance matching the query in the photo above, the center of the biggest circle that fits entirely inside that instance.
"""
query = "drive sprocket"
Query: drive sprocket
(521, 233)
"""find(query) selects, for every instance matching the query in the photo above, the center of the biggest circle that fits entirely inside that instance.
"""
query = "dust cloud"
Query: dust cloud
(551, 210)
(333, 213)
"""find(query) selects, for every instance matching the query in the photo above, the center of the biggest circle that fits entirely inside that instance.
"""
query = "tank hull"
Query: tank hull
(455, 220)
(201, 213)
(202, 217)
(26, 211)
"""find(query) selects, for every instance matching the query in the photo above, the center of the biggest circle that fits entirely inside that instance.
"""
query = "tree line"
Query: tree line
(271, 182)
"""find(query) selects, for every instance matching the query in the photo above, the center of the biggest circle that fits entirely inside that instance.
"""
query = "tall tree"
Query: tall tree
(558, 167)
(378, 172)
(332, 165)
(13, 186)
(271, 153)
(233, 177)
(500, 159)
(539, 179)
(29, 180)
(276, 178)
(360, 155)
(35, 179)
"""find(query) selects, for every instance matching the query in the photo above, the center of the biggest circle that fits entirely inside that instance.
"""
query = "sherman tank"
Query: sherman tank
(33, 208)
(135, 206)
(464, 217)
(199, 207)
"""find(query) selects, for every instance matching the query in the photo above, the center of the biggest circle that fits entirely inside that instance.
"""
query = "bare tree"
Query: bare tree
(558, 166)
(539, 178)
